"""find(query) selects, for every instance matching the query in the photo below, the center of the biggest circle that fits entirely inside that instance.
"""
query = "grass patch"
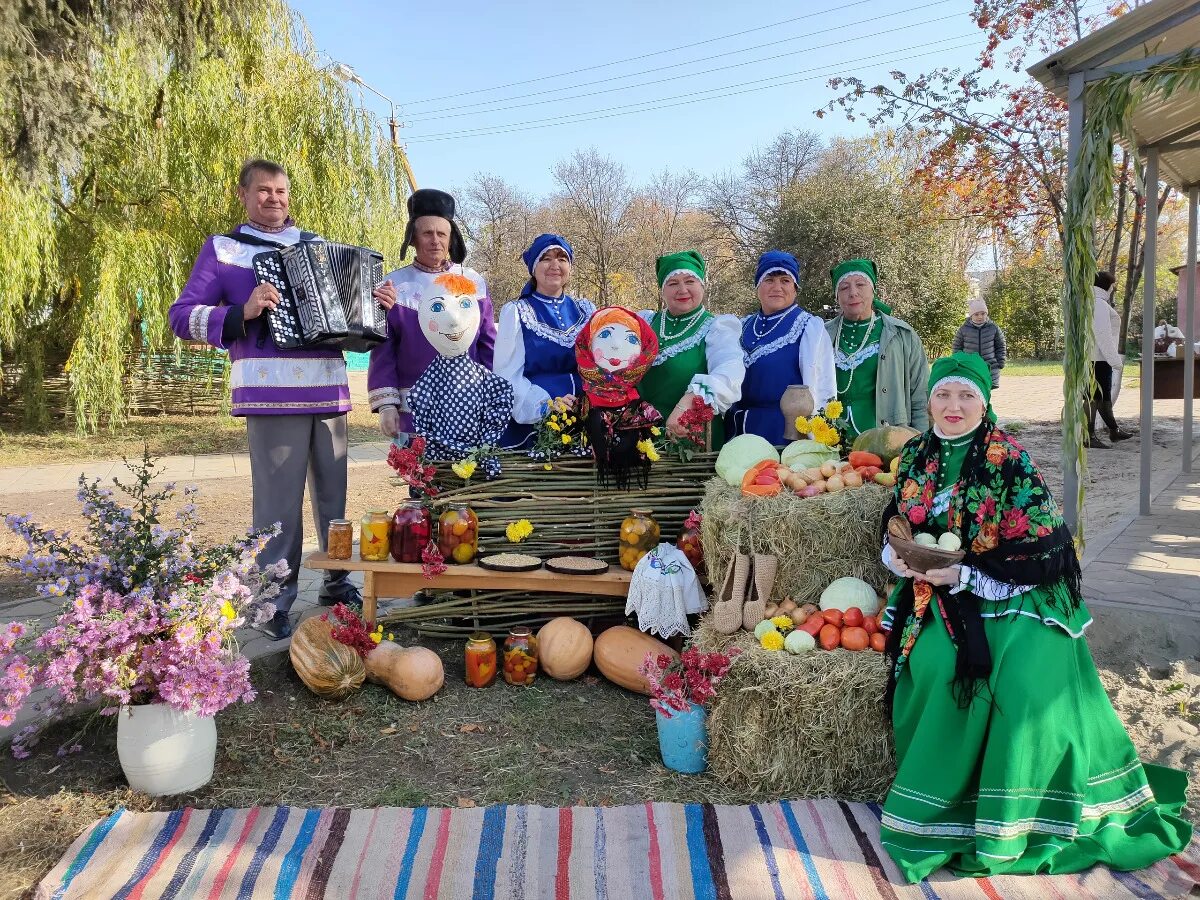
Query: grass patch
(1021, 367)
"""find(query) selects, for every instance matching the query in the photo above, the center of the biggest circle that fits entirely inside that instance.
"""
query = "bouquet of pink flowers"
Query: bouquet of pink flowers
(149, 612)
(678, 683)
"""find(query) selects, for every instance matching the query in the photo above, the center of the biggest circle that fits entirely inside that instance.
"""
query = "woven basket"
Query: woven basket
(920, 559)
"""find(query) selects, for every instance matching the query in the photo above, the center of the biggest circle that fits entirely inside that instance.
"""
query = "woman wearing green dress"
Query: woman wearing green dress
(879, 362)
(699, 354)
(1010, 758)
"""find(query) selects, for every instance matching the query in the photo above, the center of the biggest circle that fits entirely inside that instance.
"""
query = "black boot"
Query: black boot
(1094, 443)
(1118, 434)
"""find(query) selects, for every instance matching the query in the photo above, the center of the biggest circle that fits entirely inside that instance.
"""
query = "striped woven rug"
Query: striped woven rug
(659, 851)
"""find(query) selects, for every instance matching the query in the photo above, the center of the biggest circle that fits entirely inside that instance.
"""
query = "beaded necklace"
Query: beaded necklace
(779, 317)
(838, 344)
(688, 321)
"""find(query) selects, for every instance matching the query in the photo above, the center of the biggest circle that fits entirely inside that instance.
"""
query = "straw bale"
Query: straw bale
(811, 725)
(816, 539)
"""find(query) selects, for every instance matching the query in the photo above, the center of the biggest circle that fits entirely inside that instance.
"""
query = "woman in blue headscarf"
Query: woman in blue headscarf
(535, 345)
(783, 345)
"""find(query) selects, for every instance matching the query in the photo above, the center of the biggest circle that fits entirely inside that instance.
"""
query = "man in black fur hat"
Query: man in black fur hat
(437, 270)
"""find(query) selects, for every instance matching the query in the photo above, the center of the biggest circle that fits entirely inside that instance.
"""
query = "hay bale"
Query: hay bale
(800, 726)
(816, 539)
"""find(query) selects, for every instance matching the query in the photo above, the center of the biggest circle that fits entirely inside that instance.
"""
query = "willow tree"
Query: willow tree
(94, 254)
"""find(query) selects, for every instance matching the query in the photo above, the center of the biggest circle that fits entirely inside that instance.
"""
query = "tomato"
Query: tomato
(813, 624)
(833, 616)
(878, 641)
(855, 638)
(830, 637)
(870, 624)
(853, 617)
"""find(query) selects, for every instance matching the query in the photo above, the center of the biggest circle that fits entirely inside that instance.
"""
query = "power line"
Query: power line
(839, 28)
(617, 62)
(423, 117)
(659, 103)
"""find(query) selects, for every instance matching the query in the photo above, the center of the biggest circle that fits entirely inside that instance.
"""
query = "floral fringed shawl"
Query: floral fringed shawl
(1012, 531)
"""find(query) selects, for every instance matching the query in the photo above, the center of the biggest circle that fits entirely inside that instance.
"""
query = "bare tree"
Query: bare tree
(499, 222)
(594, 203)
(745, 205)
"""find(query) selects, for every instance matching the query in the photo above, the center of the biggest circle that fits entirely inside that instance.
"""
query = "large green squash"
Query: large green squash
(885, 441)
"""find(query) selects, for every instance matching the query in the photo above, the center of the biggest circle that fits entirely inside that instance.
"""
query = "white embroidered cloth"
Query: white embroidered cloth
(664, 590)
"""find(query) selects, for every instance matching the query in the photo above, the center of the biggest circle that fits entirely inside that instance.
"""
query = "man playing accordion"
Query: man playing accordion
(294, 401)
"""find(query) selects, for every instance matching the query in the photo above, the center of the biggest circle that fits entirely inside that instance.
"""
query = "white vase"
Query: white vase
(165, 751)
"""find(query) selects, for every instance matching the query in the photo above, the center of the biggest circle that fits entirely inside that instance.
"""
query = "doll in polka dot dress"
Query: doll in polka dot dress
(458, 406)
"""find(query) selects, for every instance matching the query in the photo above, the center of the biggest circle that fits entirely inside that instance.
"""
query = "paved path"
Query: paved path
(200, 467)
(1151, 563)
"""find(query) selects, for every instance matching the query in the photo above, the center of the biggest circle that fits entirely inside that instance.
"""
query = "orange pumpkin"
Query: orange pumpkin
(411, 673)
(564, 648)
(327, 667)
(762, 480)
(620, 650)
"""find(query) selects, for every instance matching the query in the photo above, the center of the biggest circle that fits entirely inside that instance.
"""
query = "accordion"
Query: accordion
(325, 295)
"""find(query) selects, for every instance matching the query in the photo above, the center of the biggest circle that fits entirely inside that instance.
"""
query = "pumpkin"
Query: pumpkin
(740, 453)
(849, 592)
(762, 480)
(564, 648)
(620, 650)
(411, 673)
(886, 441)
(327, 667)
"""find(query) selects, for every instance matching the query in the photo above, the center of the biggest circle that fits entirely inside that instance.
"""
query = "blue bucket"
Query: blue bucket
(683, 740)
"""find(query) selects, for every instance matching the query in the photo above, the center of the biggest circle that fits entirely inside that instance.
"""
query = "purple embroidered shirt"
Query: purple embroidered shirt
(265, 380)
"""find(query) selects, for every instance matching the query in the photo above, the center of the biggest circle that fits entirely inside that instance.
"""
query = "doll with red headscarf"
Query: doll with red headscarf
(613, 351)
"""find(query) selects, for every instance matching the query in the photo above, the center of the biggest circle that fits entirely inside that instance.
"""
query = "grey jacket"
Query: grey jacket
(902, 388)
(987, 340)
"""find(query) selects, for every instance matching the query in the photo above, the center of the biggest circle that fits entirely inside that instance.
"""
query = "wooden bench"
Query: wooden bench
(393, 579)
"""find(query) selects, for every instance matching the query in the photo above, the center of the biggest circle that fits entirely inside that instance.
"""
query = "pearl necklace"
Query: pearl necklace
(688, 322)
(838, 344)
(779, 317)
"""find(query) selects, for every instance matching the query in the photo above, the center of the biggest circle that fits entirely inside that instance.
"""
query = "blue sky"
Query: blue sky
(451, 61)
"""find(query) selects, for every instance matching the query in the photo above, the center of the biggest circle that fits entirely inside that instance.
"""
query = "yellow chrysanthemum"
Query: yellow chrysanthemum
(783, 623)
(566, 439)
(802, 425)
(655, 430)
(464, 469)
(833, 409)
(228, 611)
(547, 466)
(648, 450)
(771, 640)
(519, 530)
(553, 426)
(376, 637)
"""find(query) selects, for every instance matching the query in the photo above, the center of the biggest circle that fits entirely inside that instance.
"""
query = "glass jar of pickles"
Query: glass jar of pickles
(458, 534)
(639, 535)
(412, 528)
(339, 543)
(520, 656)
(373, 533)
(689, 543)
(481, 659)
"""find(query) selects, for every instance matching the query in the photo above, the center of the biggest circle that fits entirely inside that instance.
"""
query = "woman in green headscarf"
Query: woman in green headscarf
(880, 364)
(1009, 756)
(699, 354)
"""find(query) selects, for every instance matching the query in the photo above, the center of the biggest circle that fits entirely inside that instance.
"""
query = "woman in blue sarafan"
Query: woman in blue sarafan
(535, 346)
(783, 345)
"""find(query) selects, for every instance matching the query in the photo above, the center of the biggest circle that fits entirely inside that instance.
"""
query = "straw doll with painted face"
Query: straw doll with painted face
(613, 351)
(458, 406)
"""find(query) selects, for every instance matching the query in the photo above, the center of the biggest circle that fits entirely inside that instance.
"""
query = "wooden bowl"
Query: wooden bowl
(920, 559)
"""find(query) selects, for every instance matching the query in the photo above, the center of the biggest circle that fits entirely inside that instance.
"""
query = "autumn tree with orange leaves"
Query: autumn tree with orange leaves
(999, 148)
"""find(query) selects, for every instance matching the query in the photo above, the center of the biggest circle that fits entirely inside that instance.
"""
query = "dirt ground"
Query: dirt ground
(593, 743)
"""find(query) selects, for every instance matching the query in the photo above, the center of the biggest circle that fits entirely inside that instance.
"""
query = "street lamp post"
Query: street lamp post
(347, 74)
